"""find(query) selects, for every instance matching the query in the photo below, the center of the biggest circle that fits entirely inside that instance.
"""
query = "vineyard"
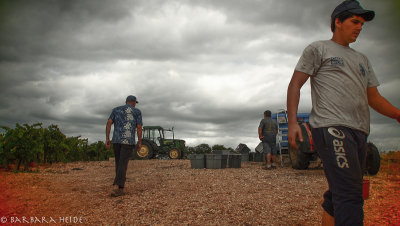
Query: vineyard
(28, 145)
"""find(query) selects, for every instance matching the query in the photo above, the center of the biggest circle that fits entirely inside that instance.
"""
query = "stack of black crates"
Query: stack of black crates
(219, 159)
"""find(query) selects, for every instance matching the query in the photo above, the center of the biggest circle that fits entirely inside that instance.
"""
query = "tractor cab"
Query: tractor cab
(158, 135)
(155, 143)
(154, 133)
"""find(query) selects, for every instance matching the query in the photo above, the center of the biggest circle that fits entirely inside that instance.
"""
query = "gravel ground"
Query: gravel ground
(165, 192)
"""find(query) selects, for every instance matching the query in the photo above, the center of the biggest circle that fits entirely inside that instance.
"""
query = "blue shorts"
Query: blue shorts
(343, 154)
(269, 148)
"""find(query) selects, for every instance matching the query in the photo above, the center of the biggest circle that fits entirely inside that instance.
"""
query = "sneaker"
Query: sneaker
(273, 167)
(117, 192)
(267, 168)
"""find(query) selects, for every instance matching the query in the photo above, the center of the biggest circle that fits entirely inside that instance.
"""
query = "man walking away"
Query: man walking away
(126, 120)
(343, 84)
(267, 131)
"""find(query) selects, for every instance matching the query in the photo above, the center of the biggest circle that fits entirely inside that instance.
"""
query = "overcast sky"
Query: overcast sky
(209, 68)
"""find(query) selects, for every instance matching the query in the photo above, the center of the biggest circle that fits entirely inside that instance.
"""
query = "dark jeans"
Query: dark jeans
(123, 153)
(343, 154)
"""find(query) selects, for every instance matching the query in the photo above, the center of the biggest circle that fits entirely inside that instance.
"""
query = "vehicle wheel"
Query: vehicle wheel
(174, 154)
(145, 152)
(302, 156)
(373, 159)
(299, 159)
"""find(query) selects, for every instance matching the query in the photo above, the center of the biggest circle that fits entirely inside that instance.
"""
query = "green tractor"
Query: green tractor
(154, 143)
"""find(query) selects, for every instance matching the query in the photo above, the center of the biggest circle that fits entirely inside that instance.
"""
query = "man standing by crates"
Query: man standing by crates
(267, 131)
(343, 84)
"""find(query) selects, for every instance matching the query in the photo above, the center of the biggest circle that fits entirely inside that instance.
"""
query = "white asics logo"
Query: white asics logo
(336, 133)
(340, 152)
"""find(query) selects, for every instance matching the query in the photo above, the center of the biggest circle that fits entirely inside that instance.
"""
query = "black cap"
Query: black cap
(267, 113)
(354, 7)
(131, 98)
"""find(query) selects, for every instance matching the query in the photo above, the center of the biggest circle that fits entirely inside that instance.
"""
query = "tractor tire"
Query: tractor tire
(174, 153)
(302, 156)
(299, 160)
(145, 152)
(373, 159)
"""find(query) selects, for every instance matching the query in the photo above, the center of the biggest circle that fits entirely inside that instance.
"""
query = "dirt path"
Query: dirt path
(169, 192)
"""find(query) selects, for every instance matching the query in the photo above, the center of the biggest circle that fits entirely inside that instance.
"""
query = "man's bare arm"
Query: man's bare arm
(260, 136)
(139, 134)
(108, 129)
(381, 105)
(293, 97)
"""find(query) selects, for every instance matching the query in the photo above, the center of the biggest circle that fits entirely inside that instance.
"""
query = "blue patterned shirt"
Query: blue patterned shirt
(125, 119)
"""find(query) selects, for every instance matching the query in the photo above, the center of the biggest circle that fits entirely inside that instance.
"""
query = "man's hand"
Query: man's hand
(108, 129)
(261, 137)
(108, 144)
(139, 145)
(294, 131)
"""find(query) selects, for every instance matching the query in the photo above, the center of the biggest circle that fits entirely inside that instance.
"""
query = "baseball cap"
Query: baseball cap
(354, 7)
(131, 98)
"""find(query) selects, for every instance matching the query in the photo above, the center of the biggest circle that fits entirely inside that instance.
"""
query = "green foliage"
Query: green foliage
(32, 143)
(23, 143)
(98, 151)
(76, 148)
(199, 149)
(204, 149)
(396, 9)
(54, 145)
(220, 147)
(2, 151)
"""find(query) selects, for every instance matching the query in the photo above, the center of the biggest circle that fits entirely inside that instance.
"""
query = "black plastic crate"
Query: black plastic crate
(245, 157)
(197, 161)
(235, 161)
(251, 156)
(259, 157)
(214, 161)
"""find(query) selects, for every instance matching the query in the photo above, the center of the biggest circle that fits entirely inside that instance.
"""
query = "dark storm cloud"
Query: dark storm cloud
(208, 68)
(34, 29)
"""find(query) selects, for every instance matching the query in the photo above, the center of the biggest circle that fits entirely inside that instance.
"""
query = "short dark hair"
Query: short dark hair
(267, 113)
(342, 17)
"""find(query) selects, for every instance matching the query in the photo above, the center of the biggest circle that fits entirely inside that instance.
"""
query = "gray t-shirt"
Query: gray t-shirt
(269, 129)
(339, 80)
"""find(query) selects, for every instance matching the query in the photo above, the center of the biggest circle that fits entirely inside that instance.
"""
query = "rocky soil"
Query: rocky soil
(170, 192)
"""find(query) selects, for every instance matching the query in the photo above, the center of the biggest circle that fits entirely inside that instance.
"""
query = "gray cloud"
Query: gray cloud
(208, 68)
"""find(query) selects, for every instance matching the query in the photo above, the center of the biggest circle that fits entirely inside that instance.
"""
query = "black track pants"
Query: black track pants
(123, 153)
(343, 154)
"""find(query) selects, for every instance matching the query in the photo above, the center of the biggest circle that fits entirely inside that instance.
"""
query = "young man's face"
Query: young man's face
(350, 28)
